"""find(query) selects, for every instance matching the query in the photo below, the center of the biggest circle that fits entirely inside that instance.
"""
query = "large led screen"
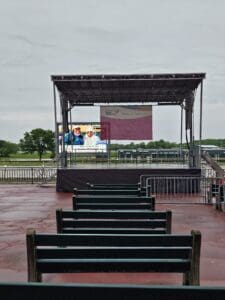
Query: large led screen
(82, 138)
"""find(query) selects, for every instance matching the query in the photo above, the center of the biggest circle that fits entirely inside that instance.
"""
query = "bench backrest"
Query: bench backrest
(112, 199)
(46, 291)
(108, 202)
(63, 253)
(104, 221)
(118, 206)
(112, 192)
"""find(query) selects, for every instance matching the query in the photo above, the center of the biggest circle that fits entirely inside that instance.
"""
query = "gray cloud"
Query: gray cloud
(26, 40)
(104, 36)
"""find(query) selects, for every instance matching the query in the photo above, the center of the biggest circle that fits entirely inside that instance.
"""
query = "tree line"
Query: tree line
(36, 141)
(161, 144)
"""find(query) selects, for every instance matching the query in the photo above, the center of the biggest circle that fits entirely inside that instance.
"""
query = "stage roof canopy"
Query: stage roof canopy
(164, 89)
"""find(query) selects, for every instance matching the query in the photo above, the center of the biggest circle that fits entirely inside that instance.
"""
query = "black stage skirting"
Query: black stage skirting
(68, 179)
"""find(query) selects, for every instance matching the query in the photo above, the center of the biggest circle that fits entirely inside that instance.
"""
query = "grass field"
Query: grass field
(27, 156)
(24, 159)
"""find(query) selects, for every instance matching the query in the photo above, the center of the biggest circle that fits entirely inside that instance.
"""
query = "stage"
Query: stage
(78, 176)
(124, 90)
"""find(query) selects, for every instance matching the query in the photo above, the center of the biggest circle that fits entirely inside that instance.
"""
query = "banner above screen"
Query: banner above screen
(131, 122)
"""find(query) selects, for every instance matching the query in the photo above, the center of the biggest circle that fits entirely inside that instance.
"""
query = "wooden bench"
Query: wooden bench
(111, 192)
(73, 253)
(109, 202)
(46, 291)
(126, 222)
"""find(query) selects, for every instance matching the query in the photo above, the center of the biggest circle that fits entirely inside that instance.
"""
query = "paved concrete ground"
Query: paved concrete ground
(29, 206)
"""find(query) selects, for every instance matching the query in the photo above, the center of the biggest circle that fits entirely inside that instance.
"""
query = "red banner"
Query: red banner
(133, 122)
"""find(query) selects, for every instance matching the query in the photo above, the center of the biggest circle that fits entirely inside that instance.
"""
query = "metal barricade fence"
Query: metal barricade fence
(208, 172)
(194, 189)
(27, 174)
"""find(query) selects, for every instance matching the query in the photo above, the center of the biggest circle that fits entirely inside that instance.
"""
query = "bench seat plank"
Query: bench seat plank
(46, 291)
(112, 265)
(136, 192)
(119, 240)
(150, 224)
(111, 199)
(110, 223)
(100, 230)
(114, 252)
(113, 214)
(118, 206)
(113, 186)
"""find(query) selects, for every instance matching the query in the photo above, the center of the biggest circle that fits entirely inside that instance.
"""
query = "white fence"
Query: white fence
(27, 174)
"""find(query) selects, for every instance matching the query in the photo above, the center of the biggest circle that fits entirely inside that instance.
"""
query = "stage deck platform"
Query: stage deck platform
(78, 176)
(30, 206)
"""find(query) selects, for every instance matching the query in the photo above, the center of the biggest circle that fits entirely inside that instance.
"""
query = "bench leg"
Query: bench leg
(193, 277)
(59, 220)
(33, 274)
(169, 221)
(186, 278)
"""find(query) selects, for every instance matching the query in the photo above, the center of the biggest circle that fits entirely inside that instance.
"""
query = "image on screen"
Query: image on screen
(82, 138)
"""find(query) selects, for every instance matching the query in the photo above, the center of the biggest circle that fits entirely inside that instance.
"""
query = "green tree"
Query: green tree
(161, 144)
(38, 140)
(7, 148)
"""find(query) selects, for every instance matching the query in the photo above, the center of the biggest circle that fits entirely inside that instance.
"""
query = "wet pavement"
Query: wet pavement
(30, 206)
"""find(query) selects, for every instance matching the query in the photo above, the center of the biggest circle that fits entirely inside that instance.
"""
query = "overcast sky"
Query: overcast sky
(41, 38)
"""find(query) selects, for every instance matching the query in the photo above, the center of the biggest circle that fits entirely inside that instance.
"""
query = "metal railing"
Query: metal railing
(194, 189)
(199, 189)
(27, 174)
